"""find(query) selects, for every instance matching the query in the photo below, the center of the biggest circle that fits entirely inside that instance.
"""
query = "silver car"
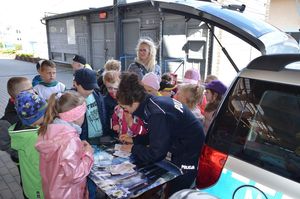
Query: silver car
(252, 149)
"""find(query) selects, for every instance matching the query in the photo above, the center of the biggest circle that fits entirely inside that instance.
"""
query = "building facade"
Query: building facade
(285, 14)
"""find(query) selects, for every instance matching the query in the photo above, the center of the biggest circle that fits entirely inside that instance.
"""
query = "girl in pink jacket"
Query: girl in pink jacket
(65, 160)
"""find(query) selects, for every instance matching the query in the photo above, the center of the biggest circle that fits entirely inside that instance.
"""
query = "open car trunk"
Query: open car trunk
(259, 34)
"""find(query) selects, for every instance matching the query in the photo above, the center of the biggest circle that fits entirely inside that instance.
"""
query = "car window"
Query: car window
(259, 123)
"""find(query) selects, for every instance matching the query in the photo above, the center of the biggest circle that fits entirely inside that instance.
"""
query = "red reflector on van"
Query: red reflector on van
(210, 167)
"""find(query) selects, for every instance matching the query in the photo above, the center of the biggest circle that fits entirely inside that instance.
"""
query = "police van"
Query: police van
(252, 148)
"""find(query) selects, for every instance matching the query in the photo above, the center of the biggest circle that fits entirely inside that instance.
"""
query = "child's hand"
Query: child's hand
(116, 128)
(126, 147)
(124, 138)
(87, 147)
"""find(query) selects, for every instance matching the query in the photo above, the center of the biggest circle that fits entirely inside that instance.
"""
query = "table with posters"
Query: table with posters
(118, 177)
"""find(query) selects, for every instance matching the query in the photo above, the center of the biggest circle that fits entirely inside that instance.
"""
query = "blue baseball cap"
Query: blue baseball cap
(30, 107)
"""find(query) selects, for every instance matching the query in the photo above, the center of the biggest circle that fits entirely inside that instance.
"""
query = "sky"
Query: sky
(26, 12)
(22, 12)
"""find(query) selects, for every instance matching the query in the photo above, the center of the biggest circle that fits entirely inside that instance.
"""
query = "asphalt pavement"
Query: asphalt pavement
(9, 175)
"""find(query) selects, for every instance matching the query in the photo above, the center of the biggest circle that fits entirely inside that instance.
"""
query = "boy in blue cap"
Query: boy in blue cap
(30, 109)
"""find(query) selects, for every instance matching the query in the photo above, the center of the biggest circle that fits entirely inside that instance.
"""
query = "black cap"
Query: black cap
(86, 78)
(80, 59)
(166, 86)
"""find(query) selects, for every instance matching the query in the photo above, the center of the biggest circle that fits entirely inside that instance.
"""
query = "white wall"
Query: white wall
(285, 14)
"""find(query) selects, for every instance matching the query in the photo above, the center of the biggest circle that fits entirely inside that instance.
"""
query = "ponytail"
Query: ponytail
(60, 103)
(50, 115)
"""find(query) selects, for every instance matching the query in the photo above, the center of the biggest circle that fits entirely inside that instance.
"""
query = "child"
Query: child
(111, 80)
(126, 125)
(37, 79)
(94, 125)
(79, 62)
(14, 86)
(166, 89)
(48, 85)
(210, 78)
(213, 92)
(151, 83)
(110, 65)
(167, 77)
(30, 109)
(192, 76)
(190, 95)
(65, 160)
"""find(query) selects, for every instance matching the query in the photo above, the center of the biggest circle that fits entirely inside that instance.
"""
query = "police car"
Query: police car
(252, 148)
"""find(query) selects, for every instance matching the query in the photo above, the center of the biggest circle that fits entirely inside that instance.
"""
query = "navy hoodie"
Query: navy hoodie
(171, 128)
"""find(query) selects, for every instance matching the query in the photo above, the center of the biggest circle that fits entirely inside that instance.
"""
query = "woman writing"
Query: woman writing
(172, 128)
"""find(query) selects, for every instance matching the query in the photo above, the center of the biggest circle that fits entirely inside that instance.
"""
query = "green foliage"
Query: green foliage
(25, 55)
(8, 51)
(1, 45)
(18, 47)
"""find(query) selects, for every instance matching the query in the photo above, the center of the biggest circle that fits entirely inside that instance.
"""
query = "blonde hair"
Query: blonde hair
(59, 104)
(193, 94)
(210, 78)
(150, 62)
(112, 64)
(15, 85)
(111, 76)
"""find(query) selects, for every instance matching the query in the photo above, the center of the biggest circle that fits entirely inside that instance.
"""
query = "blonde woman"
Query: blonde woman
(145, 61)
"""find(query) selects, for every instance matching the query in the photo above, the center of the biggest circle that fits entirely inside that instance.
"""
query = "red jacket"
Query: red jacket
(118, 118)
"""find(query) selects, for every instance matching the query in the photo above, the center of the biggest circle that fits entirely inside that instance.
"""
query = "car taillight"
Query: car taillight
(210, 166)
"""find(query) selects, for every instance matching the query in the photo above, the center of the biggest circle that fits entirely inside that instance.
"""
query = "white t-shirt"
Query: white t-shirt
(46, 91)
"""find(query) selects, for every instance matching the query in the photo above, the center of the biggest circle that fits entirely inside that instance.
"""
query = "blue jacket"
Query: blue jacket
(171, 128)
(110, 104)
(102, 115)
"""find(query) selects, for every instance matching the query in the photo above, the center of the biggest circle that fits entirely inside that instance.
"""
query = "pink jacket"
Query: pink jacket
(64, 165)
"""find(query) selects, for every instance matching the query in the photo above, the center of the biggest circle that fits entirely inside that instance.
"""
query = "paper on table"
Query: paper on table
(125, 167)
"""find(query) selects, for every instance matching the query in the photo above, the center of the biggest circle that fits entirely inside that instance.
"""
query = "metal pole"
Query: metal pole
(117, 29)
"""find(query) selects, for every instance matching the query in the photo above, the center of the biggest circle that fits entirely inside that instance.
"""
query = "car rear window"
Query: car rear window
(259, 122)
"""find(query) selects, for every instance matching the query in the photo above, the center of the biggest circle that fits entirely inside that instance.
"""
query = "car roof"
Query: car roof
(259, 34)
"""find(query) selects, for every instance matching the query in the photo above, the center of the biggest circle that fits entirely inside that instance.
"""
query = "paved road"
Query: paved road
(9, 175)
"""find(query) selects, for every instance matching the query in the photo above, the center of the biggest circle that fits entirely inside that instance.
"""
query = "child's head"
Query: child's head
(30, 108)
(112, 64)
(189, 94)
(85, 81)
(78, 62)
(17, 84)
(166, 77)
(210, 78)
(151, 83)
(111, 79)
(48, 71)
(214, 90)
(192, 76)
(166, 88)
(69, 106)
